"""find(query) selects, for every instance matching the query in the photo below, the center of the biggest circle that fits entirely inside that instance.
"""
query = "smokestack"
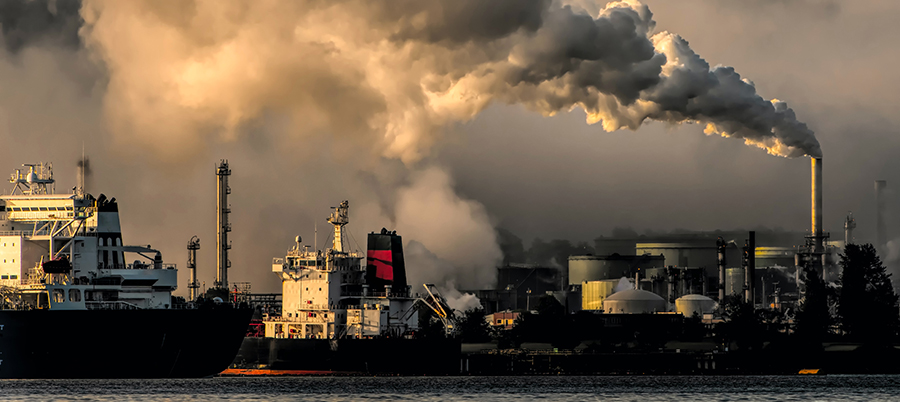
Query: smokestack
(880, 218)
(193, 284)
(222, 225)
(817, 232)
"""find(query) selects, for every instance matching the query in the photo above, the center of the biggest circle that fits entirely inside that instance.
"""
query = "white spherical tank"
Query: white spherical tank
(633, 301)
(687, 305)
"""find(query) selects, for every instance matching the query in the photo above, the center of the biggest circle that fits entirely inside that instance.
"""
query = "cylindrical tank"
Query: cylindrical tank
(775, 257)
(734, 281)
(687, 305)
(593, 293)
(633, 301)
(588, 268)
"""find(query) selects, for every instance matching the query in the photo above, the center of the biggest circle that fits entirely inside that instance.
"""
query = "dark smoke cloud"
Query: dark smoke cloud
(49, 22)
(440, 21)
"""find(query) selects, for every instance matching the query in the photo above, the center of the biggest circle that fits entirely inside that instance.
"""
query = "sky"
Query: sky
(444, 121)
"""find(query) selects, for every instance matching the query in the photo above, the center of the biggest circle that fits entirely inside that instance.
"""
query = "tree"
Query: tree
(742, 324)
(473, 327)
(867, 302)
(812, 316)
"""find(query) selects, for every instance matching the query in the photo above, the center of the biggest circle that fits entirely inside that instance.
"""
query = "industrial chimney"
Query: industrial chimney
(880, 218)
(817, 233)
(222, 225)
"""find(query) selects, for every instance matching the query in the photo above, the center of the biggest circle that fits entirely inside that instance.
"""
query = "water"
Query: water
(619, 388)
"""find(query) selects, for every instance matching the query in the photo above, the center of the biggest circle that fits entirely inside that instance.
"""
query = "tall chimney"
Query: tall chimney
(880, 218)
(817, 232)
(222, 225)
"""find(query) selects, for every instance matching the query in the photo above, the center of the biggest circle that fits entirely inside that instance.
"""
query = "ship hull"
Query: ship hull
(360, 356)
(119, 343)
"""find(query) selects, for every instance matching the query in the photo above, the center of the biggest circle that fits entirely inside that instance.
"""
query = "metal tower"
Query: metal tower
(222, 224)
(849, 225)
(339, 218)
(192, 246)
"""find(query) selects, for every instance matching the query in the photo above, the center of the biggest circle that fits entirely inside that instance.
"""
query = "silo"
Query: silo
(687, 305)
(633, 301)
(595, 292)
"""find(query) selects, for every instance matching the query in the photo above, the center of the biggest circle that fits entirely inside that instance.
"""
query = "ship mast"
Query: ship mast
(339, 218)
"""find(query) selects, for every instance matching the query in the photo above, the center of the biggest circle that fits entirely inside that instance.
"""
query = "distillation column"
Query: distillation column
(222, 224)
(849, 225)
(193, 285)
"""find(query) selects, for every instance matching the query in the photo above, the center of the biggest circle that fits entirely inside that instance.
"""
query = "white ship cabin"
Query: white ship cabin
(65, 251)
(326, 294)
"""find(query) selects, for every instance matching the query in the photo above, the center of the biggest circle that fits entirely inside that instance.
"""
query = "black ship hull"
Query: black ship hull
(119, 343)
(363, 356)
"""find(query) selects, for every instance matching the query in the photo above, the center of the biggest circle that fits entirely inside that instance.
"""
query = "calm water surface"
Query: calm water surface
(643, 388)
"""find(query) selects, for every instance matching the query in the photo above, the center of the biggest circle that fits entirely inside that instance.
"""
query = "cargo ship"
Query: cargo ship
(71, 306)
(340, 315)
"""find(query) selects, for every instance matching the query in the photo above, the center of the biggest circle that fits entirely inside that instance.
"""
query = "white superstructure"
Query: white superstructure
(326, 294)
(65, 251)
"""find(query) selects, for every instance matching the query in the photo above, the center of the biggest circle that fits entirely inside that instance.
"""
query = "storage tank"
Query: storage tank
(775, 257)
(734, 281)
(633, 301)
(687, 305)
(593, 293)
(589, 268)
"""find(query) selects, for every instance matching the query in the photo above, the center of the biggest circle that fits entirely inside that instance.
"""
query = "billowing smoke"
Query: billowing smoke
(392, 73)
(374, 81)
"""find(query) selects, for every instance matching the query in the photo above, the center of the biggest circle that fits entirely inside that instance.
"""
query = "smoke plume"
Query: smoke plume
(366, 82)
(396, 72)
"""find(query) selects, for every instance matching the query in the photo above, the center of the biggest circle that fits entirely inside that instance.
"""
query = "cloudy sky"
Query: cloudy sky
(444, 120)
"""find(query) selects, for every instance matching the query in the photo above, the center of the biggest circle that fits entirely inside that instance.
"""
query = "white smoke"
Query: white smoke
(624, 284)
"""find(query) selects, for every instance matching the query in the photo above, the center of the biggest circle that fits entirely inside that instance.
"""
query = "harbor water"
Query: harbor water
(573, 388)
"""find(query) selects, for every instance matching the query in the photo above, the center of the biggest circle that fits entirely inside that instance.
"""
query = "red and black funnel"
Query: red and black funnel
(384, 261)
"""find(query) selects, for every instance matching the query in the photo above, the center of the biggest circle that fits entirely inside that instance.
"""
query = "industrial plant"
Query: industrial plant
(669, 285)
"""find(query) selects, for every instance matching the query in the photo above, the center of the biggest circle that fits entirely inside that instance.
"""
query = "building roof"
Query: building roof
(634, 294)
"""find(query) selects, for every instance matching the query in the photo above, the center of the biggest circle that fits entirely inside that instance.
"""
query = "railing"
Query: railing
(29, 233)
(116, 305)
(132, 266)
